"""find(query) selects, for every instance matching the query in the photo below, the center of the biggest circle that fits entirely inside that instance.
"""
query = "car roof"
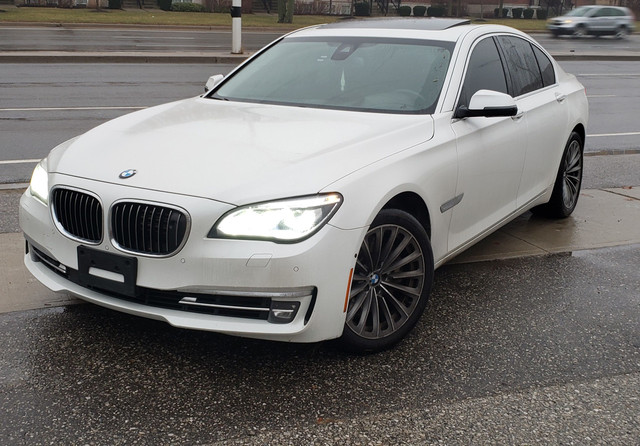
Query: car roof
(424, 24)
(442, 29)
(601, 7)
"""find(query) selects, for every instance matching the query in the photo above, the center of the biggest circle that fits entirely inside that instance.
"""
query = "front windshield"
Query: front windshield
(579, 12)
(365, 74)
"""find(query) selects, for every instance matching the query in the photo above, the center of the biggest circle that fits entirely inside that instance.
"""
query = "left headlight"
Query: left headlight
(39, 186)
(283, 221)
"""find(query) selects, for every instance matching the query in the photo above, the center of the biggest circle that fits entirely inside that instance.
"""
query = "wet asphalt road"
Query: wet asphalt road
(491, 333)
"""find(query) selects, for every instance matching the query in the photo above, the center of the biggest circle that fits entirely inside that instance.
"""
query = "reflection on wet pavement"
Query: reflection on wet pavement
(82, 374)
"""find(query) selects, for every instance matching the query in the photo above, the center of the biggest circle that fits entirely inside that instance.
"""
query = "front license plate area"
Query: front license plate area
(107, 272)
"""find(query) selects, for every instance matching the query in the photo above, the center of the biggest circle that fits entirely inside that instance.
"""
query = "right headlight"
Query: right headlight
(39, 186)
(282, 221)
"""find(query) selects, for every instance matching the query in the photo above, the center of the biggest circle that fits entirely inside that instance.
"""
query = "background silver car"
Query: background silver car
(594, 20)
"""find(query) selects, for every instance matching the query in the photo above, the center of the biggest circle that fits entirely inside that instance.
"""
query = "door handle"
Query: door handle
(518, 116)
(561, 97)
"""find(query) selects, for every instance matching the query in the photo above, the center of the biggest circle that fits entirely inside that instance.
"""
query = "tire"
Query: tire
(621, 32)
(580, 31)
(566, 189)
(391, 283)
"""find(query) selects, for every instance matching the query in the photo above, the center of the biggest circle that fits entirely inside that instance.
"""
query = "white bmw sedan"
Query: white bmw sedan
(311, 193)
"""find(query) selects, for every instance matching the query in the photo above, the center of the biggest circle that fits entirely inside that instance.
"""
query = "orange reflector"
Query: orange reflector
(346, 298)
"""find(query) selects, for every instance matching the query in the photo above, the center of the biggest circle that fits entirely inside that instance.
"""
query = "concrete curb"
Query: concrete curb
(266, 29)
(116, 57)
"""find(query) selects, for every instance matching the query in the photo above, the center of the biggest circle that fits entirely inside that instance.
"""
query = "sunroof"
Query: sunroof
(428, 24)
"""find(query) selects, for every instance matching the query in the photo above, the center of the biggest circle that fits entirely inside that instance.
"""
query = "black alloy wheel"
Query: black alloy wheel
(391, 283)
(566, 189)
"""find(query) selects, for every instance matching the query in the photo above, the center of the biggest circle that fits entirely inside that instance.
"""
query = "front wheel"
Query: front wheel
(580, 31)
(566, 188)
(391, 283)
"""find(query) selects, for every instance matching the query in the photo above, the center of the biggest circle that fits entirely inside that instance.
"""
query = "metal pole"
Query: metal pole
(236, 27)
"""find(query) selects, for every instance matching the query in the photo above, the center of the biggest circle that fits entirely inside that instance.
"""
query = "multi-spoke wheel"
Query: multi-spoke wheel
(391, 282)
(566, 189)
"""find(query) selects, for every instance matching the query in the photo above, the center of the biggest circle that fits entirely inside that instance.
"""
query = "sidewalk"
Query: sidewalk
(603, 218)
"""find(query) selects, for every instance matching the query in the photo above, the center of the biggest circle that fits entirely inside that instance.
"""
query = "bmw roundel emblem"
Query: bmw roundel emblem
(128, 173)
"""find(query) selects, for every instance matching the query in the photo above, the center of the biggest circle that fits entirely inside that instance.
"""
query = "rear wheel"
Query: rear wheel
(621, 32)
(391, 283)
(566, 189)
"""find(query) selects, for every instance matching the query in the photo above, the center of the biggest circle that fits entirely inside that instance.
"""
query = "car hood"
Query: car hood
(237, 152)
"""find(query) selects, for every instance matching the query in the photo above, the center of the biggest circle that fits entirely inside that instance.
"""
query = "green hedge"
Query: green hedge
(436, 11)
(404, 11)
(187, 7)
(419, 10)
(505, 13)
(541, 14)
(361, 9)
(517, 13)
(528, 13)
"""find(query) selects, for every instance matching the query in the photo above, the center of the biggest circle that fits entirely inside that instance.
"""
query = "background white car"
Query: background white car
(310, 194)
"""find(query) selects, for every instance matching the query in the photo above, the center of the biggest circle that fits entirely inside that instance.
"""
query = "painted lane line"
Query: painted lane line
(610, 75)
(153, 38)
(163, 45)
(20, 161)
(69, 108)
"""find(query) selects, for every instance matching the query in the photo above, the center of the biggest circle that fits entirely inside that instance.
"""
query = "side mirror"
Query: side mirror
(213, 81)
(488, 104)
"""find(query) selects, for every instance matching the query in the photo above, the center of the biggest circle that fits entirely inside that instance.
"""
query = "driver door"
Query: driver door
(491, 152)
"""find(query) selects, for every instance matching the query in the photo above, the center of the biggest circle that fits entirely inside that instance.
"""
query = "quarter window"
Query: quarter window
(546, 67)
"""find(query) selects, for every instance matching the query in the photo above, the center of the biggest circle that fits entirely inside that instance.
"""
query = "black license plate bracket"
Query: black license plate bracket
(105, 271)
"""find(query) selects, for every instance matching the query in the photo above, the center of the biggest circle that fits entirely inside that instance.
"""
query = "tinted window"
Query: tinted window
(523, 67)
(485, 71)
(579, 12)
(546, 67)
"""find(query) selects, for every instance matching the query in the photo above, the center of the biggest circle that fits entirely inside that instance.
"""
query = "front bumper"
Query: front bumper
(561, 29)
(286, 292)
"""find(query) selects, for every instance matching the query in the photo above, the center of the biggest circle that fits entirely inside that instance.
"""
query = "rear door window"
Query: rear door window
(522, 65)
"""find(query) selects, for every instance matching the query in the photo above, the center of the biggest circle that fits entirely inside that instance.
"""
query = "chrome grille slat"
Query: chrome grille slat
(74, 213)
(148, 229)
(78, 214)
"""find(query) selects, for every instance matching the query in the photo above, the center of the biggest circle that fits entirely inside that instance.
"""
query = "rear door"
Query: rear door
(603, 20)
(542, 102)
